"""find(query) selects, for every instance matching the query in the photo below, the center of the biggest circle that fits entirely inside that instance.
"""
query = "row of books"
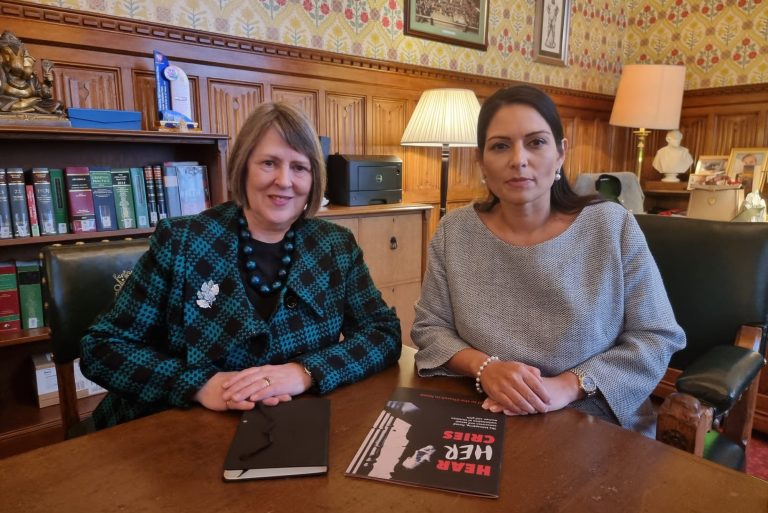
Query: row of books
(21, 299)
(54, 201)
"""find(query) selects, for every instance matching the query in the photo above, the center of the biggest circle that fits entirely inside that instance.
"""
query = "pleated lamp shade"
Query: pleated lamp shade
(443, 116)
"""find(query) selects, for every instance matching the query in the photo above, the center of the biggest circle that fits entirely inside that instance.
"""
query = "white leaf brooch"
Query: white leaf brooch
(207, 294)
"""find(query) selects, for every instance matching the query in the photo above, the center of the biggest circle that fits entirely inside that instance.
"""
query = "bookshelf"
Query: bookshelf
(22, 424)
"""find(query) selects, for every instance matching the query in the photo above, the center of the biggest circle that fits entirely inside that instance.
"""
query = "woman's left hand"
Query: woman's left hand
(562, 390)
(269, 384)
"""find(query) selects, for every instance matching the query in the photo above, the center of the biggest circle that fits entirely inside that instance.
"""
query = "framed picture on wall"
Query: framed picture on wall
(550, 32)
(456, 22)
(747, 165)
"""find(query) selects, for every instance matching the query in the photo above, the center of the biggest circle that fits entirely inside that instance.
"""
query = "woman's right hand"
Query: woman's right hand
(514, 388)
(212, 394)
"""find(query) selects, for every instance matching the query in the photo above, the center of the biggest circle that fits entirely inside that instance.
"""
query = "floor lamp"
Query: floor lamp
(443, 118)
(649, 96)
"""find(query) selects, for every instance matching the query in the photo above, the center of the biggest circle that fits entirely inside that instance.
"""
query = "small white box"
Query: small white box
(48, 388)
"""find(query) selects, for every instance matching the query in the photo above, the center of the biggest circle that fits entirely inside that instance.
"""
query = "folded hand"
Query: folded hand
(515, 388)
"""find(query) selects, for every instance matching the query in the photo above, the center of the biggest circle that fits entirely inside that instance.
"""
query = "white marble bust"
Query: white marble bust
(672, 159)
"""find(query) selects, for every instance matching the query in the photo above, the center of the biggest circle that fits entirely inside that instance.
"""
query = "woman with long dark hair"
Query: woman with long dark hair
(546, 298)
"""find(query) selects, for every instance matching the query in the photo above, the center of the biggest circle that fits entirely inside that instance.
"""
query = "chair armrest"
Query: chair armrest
(720, 376)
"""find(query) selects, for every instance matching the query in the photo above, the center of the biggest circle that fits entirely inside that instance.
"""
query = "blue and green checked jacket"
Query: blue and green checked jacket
(158, 346)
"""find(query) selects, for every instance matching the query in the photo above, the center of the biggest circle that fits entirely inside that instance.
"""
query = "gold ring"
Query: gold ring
(269, 382)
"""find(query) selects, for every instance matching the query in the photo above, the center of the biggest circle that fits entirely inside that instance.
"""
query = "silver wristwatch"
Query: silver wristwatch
(586, 383)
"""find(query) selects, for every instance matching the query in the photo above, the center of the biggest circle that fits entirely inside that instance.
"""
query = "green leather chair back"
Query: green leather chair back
(81, 282)
(716, 276)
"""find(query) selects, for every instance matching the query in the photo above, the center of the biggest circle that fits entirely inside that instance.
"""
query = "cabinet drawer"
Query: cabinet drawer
(392, 248)
(402, 298)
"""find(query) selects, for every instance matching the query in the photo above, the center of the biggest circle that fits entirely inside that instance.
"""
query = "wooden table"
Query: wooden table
(561, 461)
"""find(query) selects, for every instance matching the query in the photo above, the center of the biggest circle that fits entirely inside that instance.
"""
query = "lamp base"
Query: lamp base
(670, 177)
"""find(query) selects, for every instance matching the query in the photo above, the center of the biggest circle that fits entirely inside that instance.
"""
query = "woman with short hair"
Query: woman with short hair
(254, 300)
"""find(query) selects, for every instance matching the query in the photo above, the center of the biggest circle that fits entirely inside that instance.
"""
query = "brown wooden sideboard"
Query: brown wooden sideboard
(394, 240)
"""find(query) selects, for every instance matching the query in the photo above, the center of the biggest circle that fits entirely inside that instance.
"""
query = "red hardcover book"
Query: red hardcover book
(10, 314)
(82, 216)
(33, 224)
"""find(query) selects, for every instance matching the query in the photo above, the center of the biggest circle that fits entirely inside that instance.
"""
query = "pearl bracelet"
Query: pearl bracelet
(480, 372)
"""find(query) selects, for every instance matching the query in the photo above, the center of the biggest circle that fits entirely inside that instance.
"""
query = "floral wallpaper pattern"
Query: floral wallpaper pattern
(721, 42)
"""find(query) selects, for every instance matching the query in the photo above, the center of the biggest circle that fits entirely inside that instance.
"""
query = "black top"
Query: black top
(267, 257)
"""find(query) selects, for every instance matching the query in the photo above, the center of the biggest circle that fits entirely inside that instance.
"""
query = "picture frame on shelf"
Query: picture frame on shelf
(551, 27)
(748, 166)
(446, 21)
(707, 167)
(711, 164)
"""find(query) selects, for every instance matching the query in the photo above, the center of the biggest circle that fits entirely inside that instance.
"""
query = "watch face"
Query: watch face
(588, 384)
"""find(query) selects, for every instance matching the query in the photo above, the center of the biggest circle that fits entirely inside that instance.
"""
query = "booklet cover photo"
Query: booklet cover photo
(434, 439)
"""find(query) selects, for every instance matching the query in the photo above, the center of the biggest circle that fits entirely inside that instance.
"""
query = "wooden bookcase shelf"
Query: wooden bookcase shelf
(15, 338)
(22, 424)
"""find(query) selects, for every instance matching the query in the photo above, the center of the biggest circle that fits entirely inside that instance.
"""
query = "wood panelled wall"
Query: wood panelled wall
(362, 105)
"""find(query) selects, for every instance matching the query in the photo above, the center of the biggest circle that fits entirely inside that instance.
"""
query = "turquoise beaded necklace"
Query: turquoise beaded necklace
(255, 276)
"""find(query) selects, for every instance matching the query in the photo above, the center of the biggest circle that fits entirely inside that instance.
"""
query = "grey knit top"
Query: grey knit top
(591, 298)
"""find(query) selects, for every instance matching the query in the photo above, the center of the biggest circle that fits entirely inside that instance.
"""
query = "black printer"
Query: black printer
(357, 180)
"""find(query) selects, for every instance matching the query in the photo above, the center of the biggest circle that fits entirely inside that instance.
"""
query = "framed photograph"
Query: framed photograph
(747, 165)
(456, 22)
(550, 32)
(712, 164)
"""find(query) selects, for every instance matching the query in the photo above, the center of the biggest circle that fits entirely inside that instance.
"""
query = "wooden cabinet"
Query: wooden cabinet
(393, 239)
(23, 425)
(661, 196)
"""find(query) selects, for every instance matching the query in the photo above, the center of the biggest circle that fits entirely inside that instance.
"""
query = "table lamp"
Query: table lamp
(444, 118)
(649, 96)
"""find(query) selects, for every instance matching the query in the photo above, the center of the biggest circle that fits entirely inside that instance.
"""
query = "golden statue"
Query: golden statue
(23, 96)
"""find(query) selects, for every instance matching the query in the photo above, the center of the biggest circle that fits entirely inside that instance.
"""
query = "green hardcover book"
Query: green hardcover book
(10, 320)
(139, 197)
(103, 198)
(30, 295)
(59, 200)
(123, 192)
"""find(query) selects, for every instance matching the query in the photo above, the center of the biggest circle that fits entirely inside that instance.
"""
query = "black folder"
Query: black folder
(290, 439)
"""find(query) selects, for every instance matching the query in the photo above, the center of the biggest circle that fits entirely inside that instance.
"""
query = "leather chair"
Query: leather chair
(716, 276)
(80, 282)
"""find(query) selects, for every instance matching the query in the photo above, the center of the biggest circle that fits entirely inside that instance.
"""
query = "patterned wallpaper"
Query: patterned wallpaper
(722, 42)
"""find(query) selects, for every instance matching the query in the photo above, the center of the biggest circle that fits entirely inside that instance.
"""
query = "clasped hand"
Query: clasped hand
(519, 389)
(241, 390)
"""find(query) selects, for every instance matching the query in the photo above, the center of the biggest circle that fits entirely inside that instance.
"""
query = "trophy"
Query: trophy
(173, 99)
